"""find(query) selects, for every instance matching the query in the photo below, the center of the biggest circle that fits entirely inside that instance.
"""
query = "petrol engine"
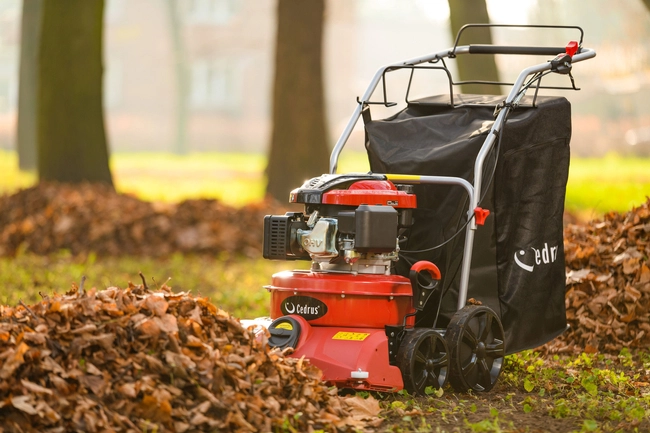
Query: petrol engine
(351, 223)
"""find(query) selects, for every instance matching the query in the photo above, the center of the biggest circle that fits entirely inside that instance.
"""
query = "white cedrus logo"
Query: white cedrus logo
(542, 256)
(305, 306)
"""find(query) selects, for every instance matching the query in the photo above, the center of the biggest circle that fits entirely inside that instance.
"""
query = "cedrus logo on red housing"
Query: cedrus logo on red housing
(305, 306)
(527, 260)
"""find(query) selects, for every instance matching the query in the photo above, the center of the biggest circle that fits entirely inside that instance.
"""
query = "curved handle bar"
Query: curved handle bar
(516, 26)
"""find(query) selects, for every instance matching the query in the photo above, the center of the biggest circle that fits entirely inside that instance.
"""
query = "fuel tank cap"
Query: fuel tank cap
(285, 332)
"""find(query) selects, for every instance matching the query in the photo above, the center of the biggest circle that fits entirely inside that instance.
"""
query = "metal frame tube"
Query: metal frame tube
(438, 180)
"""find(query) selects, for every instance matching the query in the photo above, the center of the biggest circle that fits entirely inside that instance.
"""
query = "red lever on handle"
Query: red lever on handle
(480, 214)
(572, 48)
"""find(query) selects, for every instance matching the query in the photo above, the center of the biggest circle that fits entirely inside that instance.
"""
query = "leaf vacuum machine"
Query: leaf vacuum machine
(446, 256)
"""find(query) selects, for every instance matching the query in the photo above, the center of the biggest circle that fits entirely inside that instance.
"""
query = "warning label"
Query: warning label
(353, 336)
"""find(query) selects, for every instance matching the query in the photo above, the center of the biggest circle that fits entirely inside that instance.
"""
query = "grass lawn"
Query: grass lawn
(233, 284)
(568, 393)
(612, 183)
(596, 185)
(587, 393)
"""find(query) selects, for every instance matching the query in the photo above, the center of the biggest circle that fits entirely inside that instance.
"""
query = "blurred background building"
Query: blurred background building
(227, 49)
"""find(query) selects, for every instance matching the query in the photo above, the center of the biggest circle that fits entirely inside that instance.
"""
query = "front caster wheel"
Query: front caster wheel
(476, 348)
(422, 359)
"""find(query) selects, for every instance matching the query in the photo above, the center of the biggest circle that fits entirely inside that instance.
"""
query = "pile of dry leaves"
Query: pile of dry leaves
(608, 271)
(136, 360)
(608, 283)
(81, 218)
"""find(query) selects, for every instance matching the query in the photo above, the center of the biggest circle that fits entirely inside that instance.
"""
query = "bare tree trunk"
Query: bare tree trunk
(299, 148)
(71, 137)
(30, 35)
(180, 140)
(474, 66)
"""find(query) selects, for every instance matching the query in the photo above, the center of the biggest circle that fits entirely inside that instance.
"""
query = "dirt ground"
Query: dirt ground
(500, 410)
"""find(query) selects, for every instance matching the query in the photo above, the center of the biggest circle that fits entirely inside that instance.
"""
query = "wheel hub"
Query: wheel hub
(480, 350)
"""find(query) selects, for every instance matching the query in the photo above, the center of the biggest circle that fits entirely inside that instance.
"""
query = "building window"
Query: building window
(212, 11)
(215, 84)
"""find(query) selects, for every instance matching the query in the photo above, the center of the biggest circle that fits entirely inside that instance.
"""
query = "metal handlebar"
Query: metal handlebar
(583, 54)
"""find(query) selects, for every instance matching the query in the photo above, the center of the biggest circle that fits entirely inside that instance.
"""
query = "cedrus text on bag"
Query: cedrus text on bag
(540, 256)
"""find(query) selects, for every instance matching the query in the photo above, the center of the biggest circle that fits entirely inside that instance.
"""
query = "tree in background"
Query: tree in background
(71, 137)
(474, 66)
(30, 35)
(182, 81)
(299, 148)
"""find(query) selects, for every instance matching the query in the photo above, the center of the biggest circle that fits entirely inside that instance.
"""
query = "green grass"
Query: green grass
(596, 185)
(234, 178)
(12, 179)
(612, 183)
(601, 393)
(235, 285)
(584, 393)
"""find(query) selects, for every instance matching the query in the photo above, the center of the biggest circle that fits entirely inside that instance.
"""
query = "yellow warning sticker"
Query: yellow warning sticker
(284, 325)
(353, 336)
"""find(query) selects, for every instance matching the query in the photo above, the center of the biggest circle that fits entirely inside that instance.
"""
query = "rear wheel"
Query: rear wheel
(476, 348)
(422, 359)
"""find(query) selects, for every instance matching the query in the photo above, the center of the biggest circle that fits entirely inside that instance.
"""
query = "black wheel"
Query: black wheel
(422, 358)
(476, 348)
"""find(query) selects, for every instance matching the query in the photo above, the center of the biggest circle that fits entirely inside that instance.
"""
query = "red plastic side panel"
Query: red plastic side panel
(340, 351)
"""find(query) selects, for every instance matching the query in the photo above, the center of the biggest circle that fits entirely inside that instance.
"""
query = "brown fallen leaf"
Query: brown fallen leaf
(24, 403)
(362, 408)
(33, 387)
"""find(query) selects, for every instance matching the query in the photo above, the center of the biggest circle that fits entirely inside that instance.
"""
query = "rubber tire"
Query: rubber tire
(476, 348)
(423, 360)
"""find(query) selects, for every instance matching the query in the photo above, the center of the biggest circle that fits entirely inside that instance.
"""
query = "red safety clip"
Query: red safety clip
(572, 48)
(480, 214)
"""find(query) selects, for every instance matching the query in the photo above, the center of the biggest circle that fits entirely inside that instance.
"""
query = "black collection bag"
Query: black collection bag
(517, 265)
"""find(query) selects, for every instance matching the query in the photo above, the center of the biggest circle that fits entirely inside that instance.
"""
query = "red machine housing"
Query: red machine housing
(371, 192)
(370, 301)
(339, 314)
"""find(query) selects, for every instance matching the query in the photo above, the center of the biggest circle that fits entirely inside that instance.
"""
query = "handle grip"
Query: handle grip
(422, 290)
(509, 49)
